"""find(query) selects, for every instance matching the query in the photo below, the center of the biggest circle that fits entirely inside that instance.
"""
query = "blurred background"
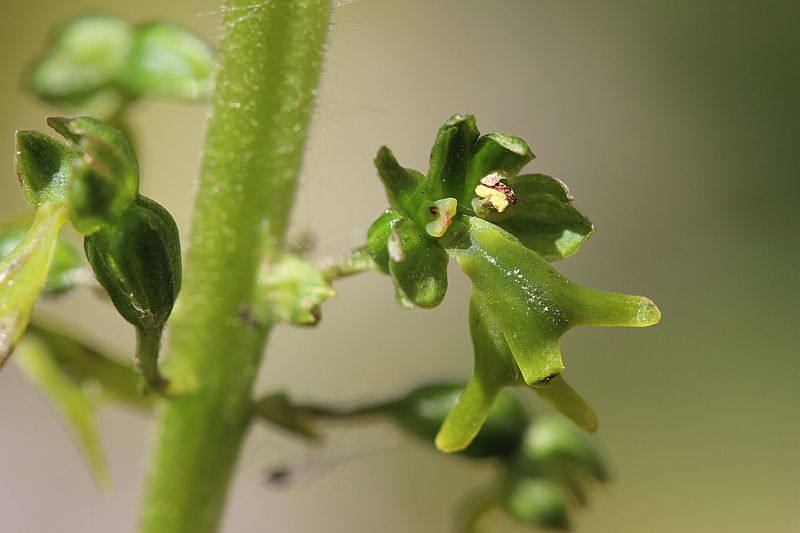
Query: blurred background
(675, 124)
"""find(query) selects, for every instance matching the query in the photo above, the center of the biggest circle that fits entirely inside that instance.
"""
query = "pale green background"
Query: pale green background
(675, 123)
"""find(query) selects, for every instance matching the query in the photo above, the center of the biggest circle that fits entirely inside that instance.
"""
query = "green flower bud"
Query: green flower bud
(290, 290)
(105, 179)
(168, 61)
(102, 142)
(537, 502)
(422, 411)
(554, 465)
(138, 261)
(100, 63)
(558, 447)
(83, 59)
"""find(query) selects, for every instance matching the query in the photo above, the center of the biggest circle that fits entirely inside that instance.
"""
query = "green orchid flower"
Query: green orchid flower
(469, 175)
(503, 229)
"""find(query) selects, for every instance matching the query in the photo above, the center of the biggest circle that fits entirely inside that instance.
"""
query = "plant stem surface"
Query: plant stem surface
(266, 80)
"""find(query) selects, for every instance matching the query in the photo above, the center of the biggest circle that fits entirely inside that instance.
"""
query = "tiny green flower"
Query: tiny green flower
(503, 229)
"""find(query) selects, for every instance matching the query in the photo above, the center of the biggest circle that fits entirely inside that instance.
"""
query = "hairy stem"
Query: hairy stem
(268, 71)
(355, 262)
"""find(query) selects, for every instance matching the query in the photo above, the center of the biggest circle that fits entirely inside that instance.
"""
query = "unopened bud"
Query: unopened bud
(138, 261)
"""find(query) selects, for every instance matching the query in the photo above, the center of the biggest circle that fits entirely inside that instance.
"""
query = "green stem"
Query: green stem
(268, 71)
(148, 344)
(278, 410)
(355, 262)
(377, 410)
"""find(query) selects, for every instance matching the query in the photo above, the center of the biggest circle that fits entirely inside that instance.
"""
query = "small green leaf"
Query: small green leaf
(544, 218)
(291, 291)
(73, 403)
(404, 187)
(23, 274)
(378, 238)
(449, 157)
(138, 262)
(279, 410)
(494, 153)
(85, 57)
(420, 271)
(43, 167)
(169, 61)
